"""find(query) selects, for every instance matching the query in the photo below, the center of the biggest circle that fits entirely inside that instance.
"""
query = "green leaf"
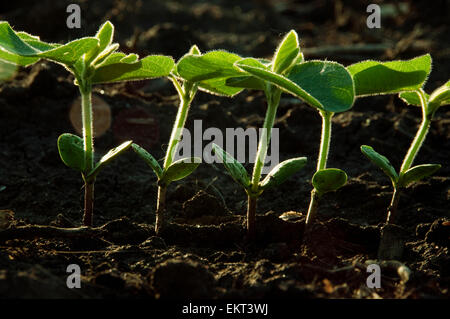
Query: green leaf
(71, 151)
(194, 50)
(246, 82)
(152, 66)
(416, 173)
(130, 58)
(149, 159)
(322, 84)
(111, 155)
(17, 59)
(282, 171)
(380, 161)
(105, 35)
(11, 42)
(440, 97)
(113, 58)
(236, 170)
(412, 98)
(100, 57)
(286, 52)
(328, 82)
(210, 71)
(373, 77)
(211, 65)
(329, 180)
(69, 53)
(179, 170)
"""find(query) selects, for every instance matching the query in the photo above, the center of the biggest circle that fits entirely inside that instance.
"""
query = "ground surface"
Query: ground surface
(203, 253)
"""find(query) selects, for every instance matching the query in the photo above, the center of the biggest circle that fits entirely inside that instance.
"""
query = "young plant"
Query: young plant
(325, 85)
(406, 78)
(173, 170)
(92, 60)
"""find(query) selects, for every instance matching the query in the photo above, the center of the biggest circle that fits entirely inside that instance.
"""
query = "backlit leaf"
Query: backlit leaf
(373, 77)
(416, 173)
(71, 151)
(236, 170)
(149, 159)
(282, 171)
(179, 170)
(152, 66)
(329, 180)
(380, 161)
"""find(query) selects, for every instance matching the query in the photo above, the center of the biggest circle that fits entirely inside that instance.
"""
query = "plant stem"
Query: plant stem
(392, 216)
(313, 204)
(160, 209)
(88, 139)
(186, 97)
(251, 216)
(325, 140)
(177, 129)
(321, 162)
(416, 144)
(88, 204)
(273, 100)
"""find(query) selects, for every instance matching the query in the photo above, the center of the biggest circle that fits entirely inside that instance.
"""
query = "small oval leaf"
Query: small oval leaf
(179, 170)
(282, 171)
(105, 160)
(149, 159)
(329, 180)
(380, 161)
(236, 170)
(416, 173)
(71, 151)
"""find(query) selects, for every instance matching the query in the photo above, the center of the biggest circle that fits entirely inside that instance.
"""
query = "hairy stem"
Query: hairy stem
(88, 204)
(251, 217)
(273, 100)
(313, 204)
(321, 162)
(177, 130)
(88, 140)
(325, 140)
(416, 144)
(186, 97)
(392, 215)
(160, 209)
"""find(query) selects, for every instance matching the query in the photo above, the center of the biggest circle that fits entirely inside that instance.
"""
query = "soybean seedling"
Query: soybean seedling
(406, 78)
(324, 85)
(92, 60)
(179, 169)
(217, 72)
(318, 83)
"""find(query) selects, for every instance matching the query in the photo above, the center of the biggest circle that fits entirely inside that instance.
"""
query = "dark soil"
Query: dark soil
(203, 252)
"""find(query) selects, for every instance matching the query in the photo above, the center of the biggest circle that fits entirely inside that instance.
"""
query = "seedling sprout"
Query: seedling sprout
(92, 60)
(173, 170)
(407, 79)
